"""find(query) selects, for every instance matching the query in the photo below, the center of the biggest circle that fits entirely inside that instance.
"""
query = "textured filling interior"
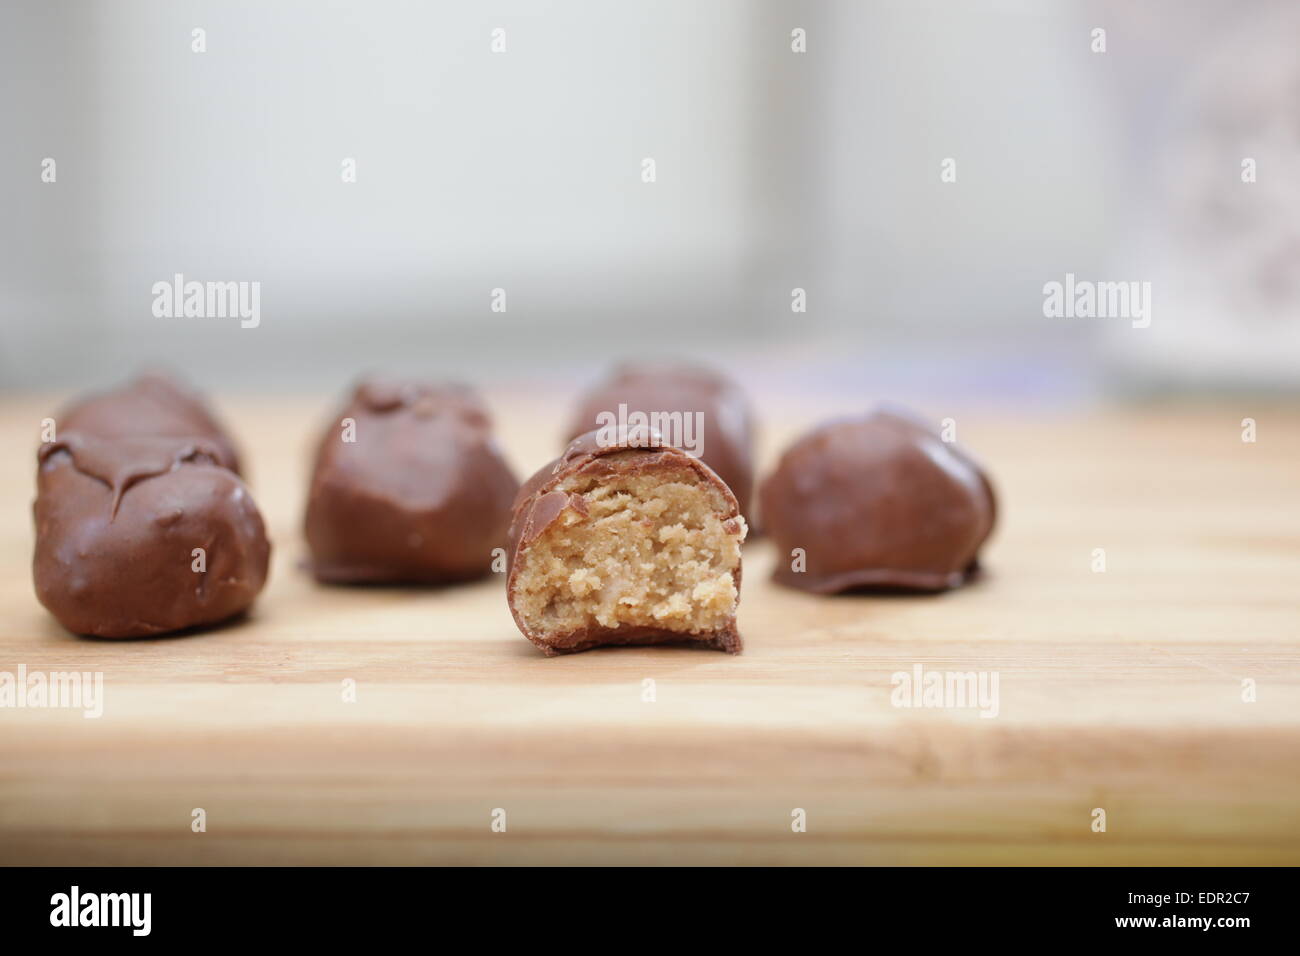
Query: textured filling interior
(653, 550)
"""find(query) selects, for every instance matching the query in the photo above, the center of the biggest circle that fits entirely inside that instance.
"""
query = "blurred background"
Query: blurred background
(775, 170)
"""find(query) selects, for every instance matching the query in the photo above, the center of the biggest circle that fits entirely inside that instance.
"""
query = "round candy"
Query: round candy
(876, 502)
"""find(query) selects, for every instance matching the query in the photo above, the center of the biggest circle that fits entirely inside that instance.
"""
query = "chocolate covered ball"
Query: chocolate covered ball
(137, 536)
(876, 502)
(150, 406)
(408, 487)
(669, 388)
(625, 541)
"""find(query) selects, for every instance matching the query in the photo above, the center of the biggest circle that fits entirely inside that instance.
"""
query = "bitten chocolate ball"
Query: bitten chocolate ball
(626, 541)
(138, 536)
(408, 487)
(665, 388)
(876, 502)
(152, 406)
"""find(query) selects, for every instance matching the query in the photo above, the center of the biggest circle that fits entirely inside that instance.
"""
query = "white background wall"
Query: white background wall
(522, 170)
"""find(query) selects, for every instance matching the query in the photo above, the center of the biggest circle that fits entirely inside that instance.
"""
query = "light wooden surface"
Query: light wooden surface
(1119, 690)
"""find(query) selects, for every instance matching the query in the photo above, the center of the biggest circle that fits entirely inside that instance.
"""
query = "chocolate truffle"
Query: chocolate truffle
(876, 502)
(661, 388)
(408, 487)
(150, 406)
(628, 541)
(119, 525)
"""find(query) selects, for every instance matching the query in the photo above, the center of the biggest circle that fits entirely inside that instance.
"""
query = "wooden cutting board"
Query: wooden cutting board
(1120, 691)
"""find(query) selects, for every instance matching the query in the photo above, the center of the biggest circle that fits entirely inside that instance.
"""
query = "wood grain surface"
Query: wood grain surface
(1119, 690)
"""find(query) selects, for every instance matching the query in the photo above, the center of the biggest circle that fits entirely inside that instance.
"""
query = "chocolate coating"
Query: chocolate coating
(151, 406)
(117, 522)
(421, 496)
(663, 386)
(541, 502)
(877, 502)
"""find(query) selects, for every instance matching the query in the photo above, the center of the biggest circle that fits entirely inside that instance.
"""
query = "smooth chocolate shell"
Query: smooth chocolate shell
(117, 524)
(877, 502)
(422, 495)
(151, 406)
